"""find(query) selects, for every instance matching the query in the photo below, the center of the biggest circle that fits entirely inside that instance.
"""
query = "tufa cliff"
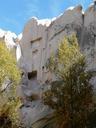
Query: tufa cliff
(41, 38)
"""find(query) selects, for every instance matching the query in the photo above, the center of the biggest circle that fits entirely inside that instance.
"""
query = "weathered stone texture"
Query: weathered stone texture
(39, 41)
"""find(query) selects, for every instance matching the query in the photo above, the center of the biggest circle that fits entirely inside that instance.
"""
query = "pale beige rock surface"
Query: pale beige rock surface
(39, 40)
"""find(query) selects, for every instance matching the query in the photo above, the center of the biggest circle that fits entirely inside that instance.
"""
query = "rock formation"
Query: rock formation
(41, 38)
(12, 42)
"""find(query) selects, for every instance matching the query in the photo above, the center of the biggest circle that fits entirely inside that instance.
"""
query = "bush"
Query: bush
(71, 95)
(9, 79)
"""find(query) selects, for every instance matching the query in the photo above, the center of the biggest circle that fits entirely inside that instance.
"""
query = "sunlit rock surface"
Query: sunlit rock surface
(39, 39)
(12, 42)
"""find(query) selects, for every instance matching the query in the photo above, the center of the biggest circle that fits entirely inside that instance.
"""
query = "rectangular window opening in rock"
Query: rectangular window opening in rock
(35, 51)
(43, 67)
(32, 75)
(35, 40)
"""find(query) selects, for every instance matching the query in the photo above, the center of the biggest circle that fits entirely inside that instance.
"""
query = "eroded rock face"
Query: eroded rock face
(40, 40)
(89, 36)
(11, 40)
(8, 37)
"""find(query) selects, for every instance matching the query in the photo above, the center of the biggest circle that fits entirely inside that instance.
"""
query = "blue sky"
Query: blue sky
(15, 13)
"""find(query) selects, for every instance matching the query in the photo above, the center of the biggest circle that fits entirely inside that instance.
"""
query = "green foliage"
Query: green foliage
(68, 54)
(8, 99)
(71, 95)
(9, 117)
(8, 66)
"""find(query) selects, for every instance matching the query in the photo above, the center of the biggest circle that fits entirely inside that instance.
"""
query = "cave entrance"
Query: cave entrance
(32, 75)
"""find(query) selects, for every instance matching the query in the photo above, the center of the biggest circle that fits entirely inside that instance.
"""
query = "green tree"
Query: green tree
(71, 95)
(9, 79)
